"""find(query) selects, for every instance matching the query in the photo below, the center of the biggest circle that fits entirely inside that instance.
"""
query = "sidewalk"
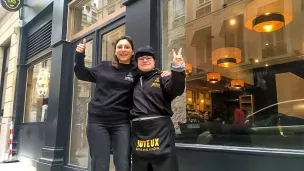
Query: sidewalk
(18, 166)
(15, 167)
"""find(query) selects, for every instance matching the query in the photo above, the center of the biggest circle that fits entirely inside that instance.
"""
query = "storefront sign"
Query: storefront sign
(12, 5)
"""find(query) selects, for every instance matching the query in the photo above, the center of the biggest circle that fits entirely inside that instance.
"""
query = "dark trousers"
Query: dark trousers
(167, 163)
(101, 138)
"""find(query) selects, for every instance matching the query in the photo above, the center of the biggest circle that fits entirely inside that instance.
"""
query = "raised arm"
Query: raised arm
(81, 71)
(175, 85)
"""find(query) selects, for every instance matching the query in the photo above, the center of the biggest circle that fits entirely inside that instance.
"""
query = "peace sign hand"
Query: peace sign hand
(177, 59)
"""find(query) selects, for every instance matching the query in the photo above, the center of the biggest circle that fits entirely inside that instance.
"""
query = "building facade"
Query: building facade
(9, 52)
(243, 106)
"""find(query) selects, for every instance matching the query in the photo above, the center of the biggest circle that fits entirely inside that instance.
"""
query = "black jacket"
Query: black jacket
(153, 95)
(112, 99)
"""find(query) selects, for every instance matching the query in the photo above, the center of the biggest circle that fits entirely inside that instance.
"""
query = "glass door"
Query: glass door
(109, 40)
(82, 92)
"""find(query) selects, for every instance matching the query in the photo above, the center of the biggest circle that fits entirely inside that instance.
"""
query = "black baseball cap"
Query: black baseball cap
(144, 51)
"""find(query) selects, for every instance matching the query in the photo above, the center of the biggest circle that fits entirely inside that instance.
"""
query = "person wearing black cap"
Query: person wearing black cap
(153, 133)
(109, 111)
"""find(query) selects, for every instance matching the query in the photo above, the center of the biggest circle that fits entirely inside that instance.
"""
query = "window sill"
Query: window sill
(233, 149)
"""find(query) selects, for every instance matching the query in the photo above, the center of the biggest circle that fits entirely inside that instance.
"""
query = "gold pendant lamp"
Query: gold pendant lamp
(268, 15)
(226, 57)
(237, 84)
(213, 77)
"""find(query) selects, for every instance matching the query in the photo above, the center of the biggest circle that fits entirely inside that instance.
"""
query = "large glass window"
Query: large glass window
(3, 82)
(37, 92)
(109, 40)
(244, 62)
(79, 150)
(85, 13)
(4, 75)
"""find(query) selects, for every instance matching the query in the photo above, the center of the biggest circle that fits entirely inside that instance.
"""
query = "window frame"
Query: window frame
(4, 71)
(101, 35)
(176, 16)
(31, 63)
(97, 24)
(90, 37)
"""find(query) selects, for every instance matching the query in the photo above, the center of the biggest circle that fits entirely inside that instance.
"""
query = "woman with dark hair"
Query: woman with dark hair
(108, 121)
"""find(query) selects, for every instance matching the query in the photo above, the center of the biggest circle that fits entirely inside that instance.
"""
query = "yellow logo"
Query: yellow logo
(148, 145)
(156, 83)
(11, 5)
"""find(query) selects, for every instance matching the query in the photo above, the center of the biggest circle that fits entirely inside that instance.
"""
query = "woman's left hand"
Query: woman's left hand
(178, 59)
(165, 74)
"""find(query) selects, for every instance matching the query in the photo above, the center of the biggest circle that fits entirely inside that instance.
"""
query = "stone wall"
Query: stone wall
(9, 40)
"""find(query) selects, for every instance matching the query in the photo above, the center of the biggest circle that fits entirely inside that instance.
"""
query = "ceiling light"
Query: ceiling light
(226, 57)
(232, 21)
(213, 77)
(237, 83)
(262, 16)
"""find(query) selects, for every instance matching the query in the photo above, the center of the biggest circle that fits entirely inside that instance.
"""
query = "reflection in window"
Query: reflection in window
(256, 101)
(91, 11)
(229, 1)
(37, 92)
(5, 69)
(274, 44)
(79, 150)
(179, 7)
(108, 42)
(203, 10)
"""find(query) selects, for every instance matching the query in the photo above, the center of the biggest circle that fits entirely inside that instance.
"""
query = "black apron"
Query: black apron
(153, 138)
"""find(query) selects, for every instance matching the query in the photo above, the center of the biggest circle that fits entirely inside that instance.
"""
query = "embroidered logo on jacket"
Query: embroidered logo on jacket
(148, 145)
(129, 77)
(156, 83)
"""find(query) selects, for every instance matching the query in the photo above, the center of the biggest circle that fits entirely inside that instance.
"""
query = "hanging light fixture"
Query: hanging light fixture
(213, 77)
(226, 57)
(268, 15)
(188, 68)
(237, 83)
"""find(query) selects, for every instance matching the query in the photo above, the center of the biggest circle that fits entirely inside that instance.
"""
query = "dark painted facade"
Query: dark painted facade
(46, 144)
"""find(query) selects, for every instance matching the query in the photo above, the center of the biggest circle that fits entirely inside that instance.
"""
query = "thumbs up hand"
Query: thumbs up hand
(81, 47)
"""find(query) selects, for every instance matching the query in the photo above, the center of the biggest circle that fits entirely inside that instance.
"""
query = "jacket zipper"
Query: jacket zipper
(140, 82)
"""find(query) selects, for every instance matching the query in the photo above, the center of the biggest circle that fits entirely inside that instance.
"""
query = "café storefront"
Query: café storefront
(243, 107)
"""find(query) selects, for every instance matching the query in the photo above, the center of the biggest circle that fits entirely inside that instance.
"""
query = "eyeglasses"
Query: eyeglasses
(147, 58)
